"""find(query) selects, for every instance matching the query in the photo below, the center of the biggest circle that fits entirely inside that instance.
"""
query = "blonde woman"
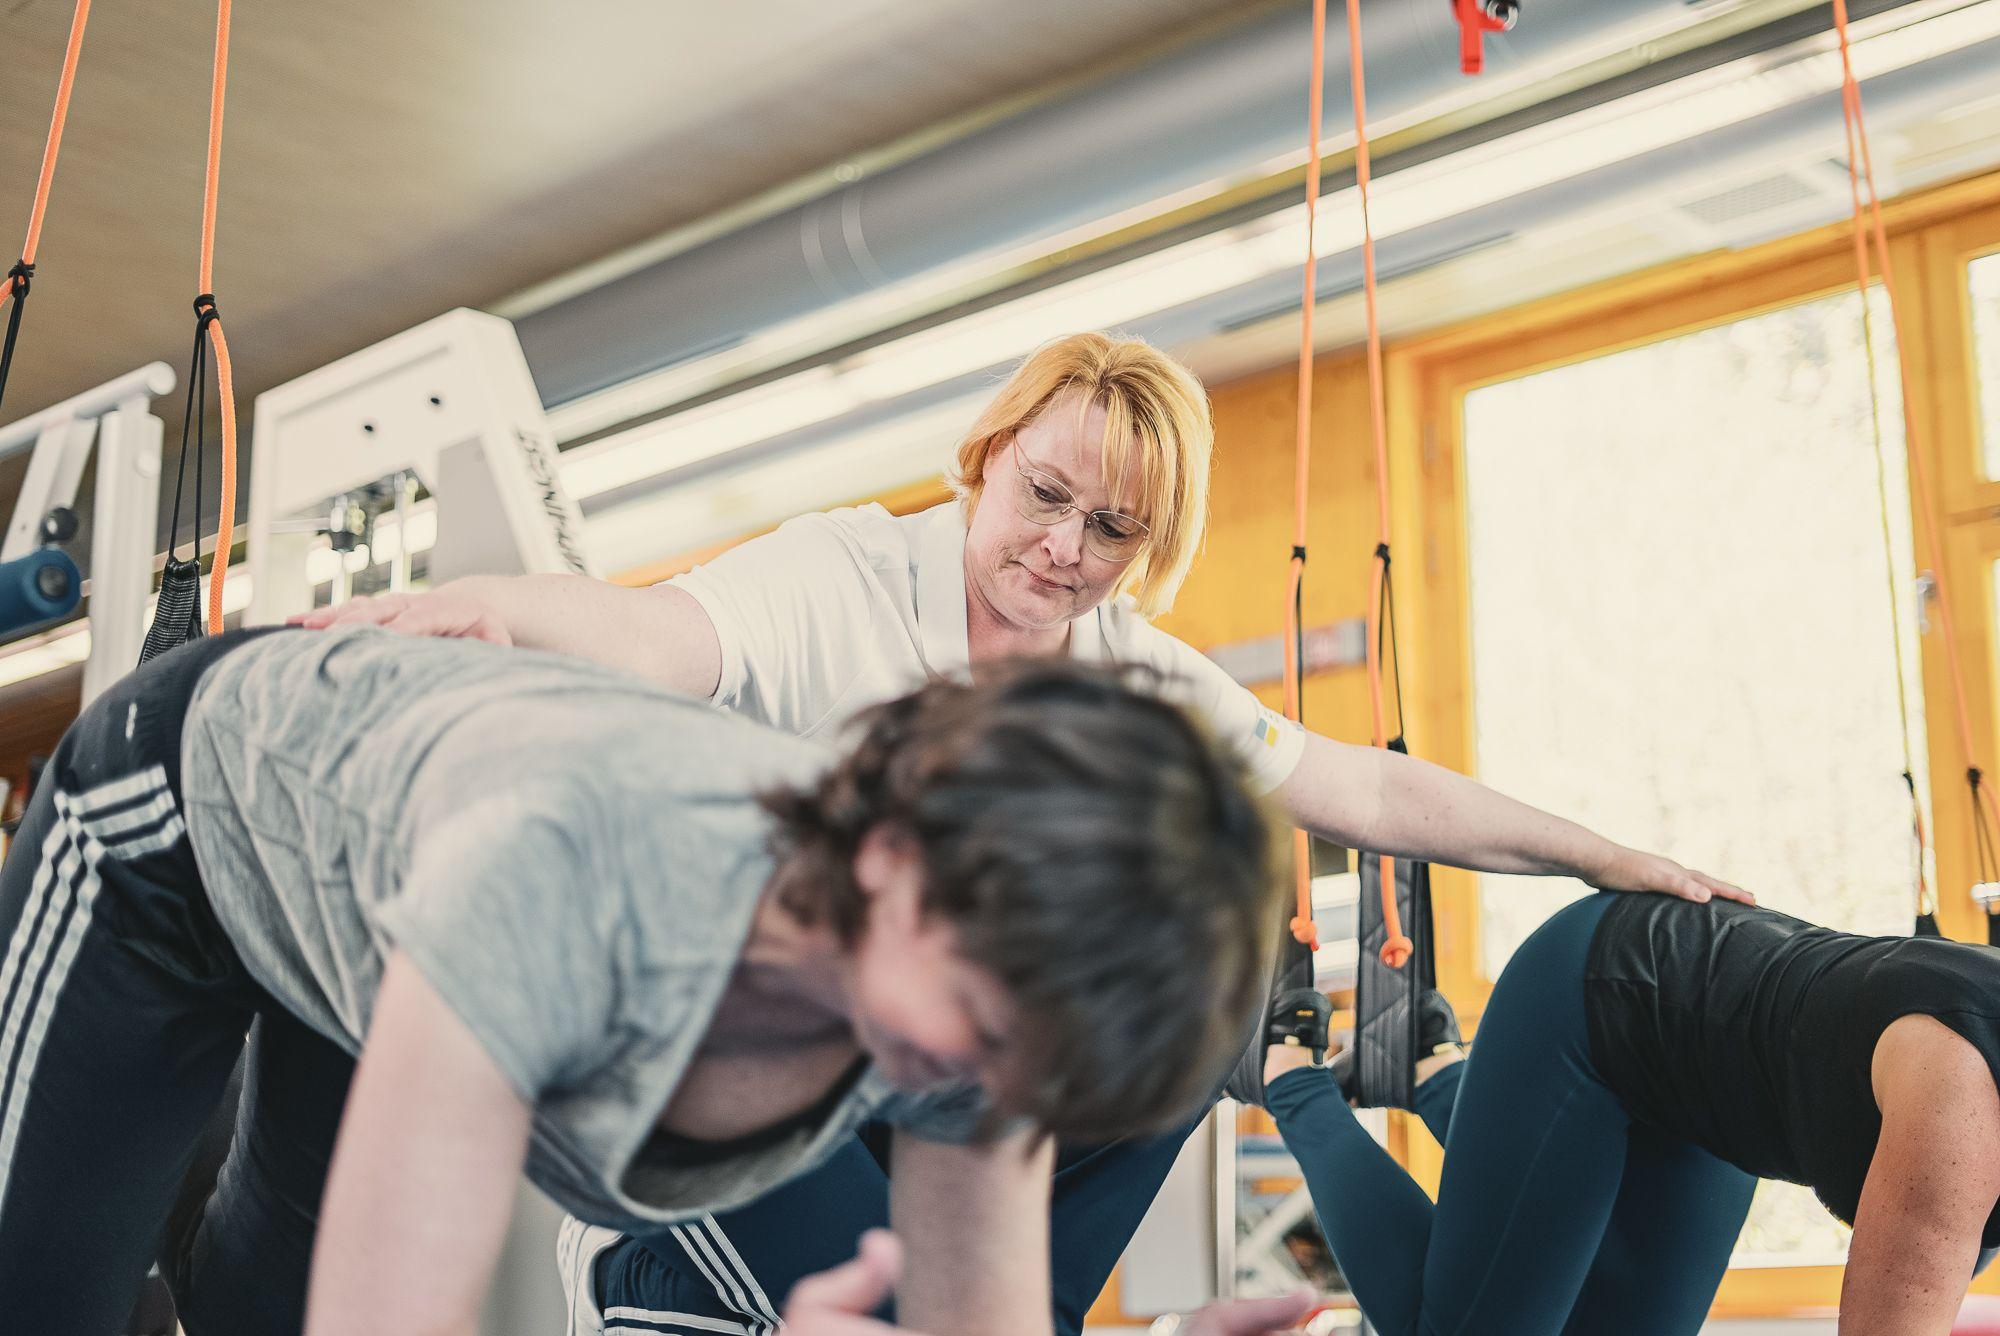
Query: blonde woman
(1082, 501)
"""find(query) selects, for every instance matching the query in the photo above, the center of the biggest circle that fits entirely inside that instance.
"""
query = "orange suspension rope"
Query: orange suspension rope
(1397, 946)
(1926, 893)
(19, 277)
(1868, 224)
(210, 319)
(1303, 927)
(46, 181)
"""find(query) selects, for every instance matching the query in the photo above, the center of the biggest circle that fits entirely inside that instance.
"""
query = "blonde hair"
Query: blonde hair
(1154, 408)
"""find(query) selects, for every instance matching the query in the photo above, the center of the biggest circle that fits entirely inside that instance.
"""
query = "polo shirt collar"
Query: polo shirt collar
(941, 590)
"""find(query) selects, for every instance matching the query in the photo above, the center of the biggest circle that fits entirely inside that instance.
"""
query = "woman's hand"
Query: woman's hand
(440, 612)
(1631, 870)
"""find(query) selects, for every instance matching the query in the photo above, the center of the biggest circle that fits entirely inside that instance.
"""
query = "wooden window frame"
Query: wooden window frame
(1933, 236)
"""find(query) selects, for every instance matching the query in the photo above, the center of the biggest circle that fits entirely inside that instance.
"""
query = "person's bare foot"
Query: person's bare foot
(1437, 1037)
(1428, 1067)
(1282, 1058)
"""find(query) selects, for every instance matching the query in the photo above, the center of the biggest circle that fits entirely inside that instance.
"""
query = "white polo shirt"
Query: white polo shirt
(838, 611)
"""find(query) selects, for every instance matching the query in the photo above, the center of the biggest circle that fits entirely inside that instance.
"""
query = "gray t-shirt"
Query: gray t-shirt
(571, 857)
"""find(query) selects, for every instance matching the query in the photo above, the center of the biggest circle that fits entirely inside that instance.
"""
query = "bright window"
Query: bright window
(1681, 628)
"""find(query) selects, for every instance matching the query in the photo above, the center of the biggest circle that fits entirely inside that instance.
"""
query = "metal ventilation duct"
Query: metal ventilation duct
(1178, 122)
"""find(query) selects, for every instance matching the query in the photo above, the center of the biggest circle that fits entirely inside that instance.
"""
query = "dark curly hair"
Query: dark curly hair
(1094, 850)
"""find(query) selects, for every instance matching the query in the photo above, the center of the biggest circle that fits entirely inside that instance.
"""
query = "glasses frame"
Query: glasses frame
(1094, 532)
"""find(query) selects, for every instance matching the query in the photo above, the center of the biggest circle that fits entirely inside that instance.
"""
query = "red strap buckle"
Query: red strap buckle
(1476, 18)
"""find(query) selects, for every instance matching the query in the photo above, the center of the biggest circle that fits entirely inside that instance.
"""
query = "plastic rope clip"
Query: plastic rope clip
(1476, 18)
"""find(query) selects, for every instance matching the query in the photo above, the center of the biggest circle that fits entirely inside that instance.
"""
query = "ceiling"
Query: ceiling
(385, 161)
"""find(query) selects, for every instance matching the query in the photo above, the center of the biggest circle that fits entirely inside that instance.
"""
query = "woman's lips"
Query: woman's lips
(1047, 583)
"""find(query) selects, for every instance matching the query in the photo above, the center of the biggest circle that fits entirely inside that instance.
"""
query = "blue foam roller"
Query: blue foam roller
(37, 588)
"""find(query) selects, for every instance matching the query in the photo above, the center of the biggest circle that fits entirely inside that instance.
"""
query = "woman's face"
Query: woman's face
(1036, 576)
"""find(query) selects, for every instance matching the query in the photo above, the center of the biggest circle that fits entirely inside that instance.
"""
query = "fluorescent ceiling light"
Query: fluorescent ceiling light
(759, 495)
(68, 644)
(46, 653)
(712, 429)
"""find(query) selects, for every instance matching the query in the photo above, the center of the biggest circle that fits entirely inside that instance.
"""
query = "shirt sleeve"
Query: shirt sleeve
(503, 914)
(1263, 741)
(787, 607)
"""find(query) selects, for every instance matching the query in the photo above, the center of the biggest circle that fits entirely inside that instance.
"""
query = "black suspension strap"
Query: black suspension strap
(180, 618)
(19, 280)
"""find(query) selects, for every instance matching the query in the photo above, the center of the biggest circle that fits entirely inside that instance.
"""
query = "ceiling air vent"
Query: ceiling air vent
(1770, 205)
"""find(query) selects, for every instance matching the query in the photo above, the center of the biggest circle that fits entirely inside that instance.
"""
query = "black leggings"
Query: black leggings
(1555, 1213)
(123, 1007)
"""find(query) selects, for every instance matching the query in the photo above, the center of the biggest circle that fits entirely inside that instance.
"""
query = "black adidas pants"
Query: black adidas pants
(123, 1008)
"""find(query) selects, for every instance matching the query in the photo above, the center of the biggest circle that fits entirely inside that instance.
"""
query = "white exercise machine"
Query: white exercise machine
(429, 447)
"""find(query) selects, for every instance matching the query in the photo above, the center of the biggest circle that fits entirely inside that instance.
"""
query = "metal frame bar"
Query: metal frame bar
(134, 388)
(117, 418)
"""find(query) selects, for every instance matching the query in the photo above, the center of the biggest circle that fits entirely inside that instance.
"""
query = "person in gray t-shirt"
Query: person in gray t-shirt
(663, 958)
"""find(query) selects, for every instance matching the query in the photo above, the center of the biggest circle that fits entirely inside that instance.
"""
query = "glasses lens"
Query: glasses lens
(1113, 536)
(1043, 499)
